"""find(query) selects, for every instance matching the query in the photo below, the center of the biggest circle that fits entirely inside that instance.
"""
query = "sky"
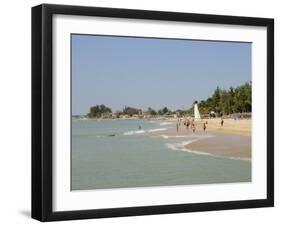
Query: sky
(152, 72)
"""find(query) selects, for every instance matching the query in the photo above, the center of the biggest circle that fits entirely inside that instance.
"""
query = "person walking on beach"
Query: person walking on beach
(179, 122)
(204, 126)
(193, 128)
(177, 127)
(187, 123)
(139, 127)
(222, 121)
(193, 125)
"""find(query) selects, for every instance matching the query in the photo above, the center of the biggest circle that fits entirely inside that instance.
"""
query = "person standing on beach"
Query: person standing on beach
(193, 127)
(187, 123)
(204, 126)
(177, 127)
(179, 122)
(222, 121)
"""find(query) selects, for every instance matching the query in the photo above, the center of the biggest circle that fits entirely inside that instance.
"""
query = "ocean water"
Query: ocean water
(117, 154)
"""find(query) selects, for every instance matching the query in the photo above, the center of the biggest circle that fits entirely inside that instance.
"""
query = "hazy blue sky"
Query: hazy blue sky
(144, 72)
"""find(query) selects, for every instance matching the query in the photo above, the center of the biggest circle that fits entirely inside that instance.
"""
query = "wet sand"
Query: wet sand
(233, 139)
(224, 145)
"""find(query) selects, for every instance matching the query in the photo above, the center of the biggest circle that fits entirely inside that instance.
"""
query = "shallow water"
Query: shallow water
(117, 154)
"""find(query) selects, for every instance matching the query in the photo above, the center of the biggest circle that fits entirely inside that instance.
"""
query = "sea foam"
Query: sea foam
(133, 132)
(166, 123)
(156, 130)
(178, 136)
(181, 147)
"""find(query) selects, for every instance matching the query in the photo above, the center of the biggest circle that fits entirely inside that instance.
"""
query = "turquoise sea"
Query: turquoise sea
(118, 154)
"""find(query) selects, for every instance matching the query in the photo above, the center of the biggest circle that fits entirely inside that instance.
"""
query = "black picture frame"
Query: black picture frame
(42, 111)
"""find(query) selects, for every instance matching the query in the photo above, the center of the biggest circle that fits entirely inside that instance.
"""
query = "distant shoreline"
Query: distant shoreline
(131, 118)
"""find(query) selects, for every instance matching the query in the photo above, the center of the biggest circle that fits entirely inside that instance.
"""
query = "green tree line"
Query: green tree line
(222, 102)
(98, 110)
(233, 100)
(102, 110)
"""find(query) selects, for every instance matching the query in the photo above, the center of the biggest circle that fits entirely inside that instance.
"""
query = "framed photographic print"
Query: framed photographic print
(145, 112)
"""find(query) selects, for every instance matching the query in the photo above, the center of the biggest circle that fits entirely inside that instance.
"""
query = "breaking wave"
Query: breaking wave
(156, 130)
(134, 132)
(166, 123)
(178, 136)
(181, 147)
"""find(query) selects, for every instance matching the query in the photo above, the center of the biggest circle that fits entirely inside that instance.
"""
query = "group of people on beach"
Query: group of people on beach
(189, 123)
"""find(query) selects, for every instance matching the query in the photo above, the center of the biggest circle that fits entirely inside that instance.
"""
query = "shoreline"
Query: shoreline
(233, 146)
(233, 140)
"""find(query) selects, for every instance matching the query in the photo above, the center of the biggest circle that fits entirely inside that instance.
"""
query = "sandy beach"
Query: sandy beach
(224, 145)
(233, 139)
(231, 126)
